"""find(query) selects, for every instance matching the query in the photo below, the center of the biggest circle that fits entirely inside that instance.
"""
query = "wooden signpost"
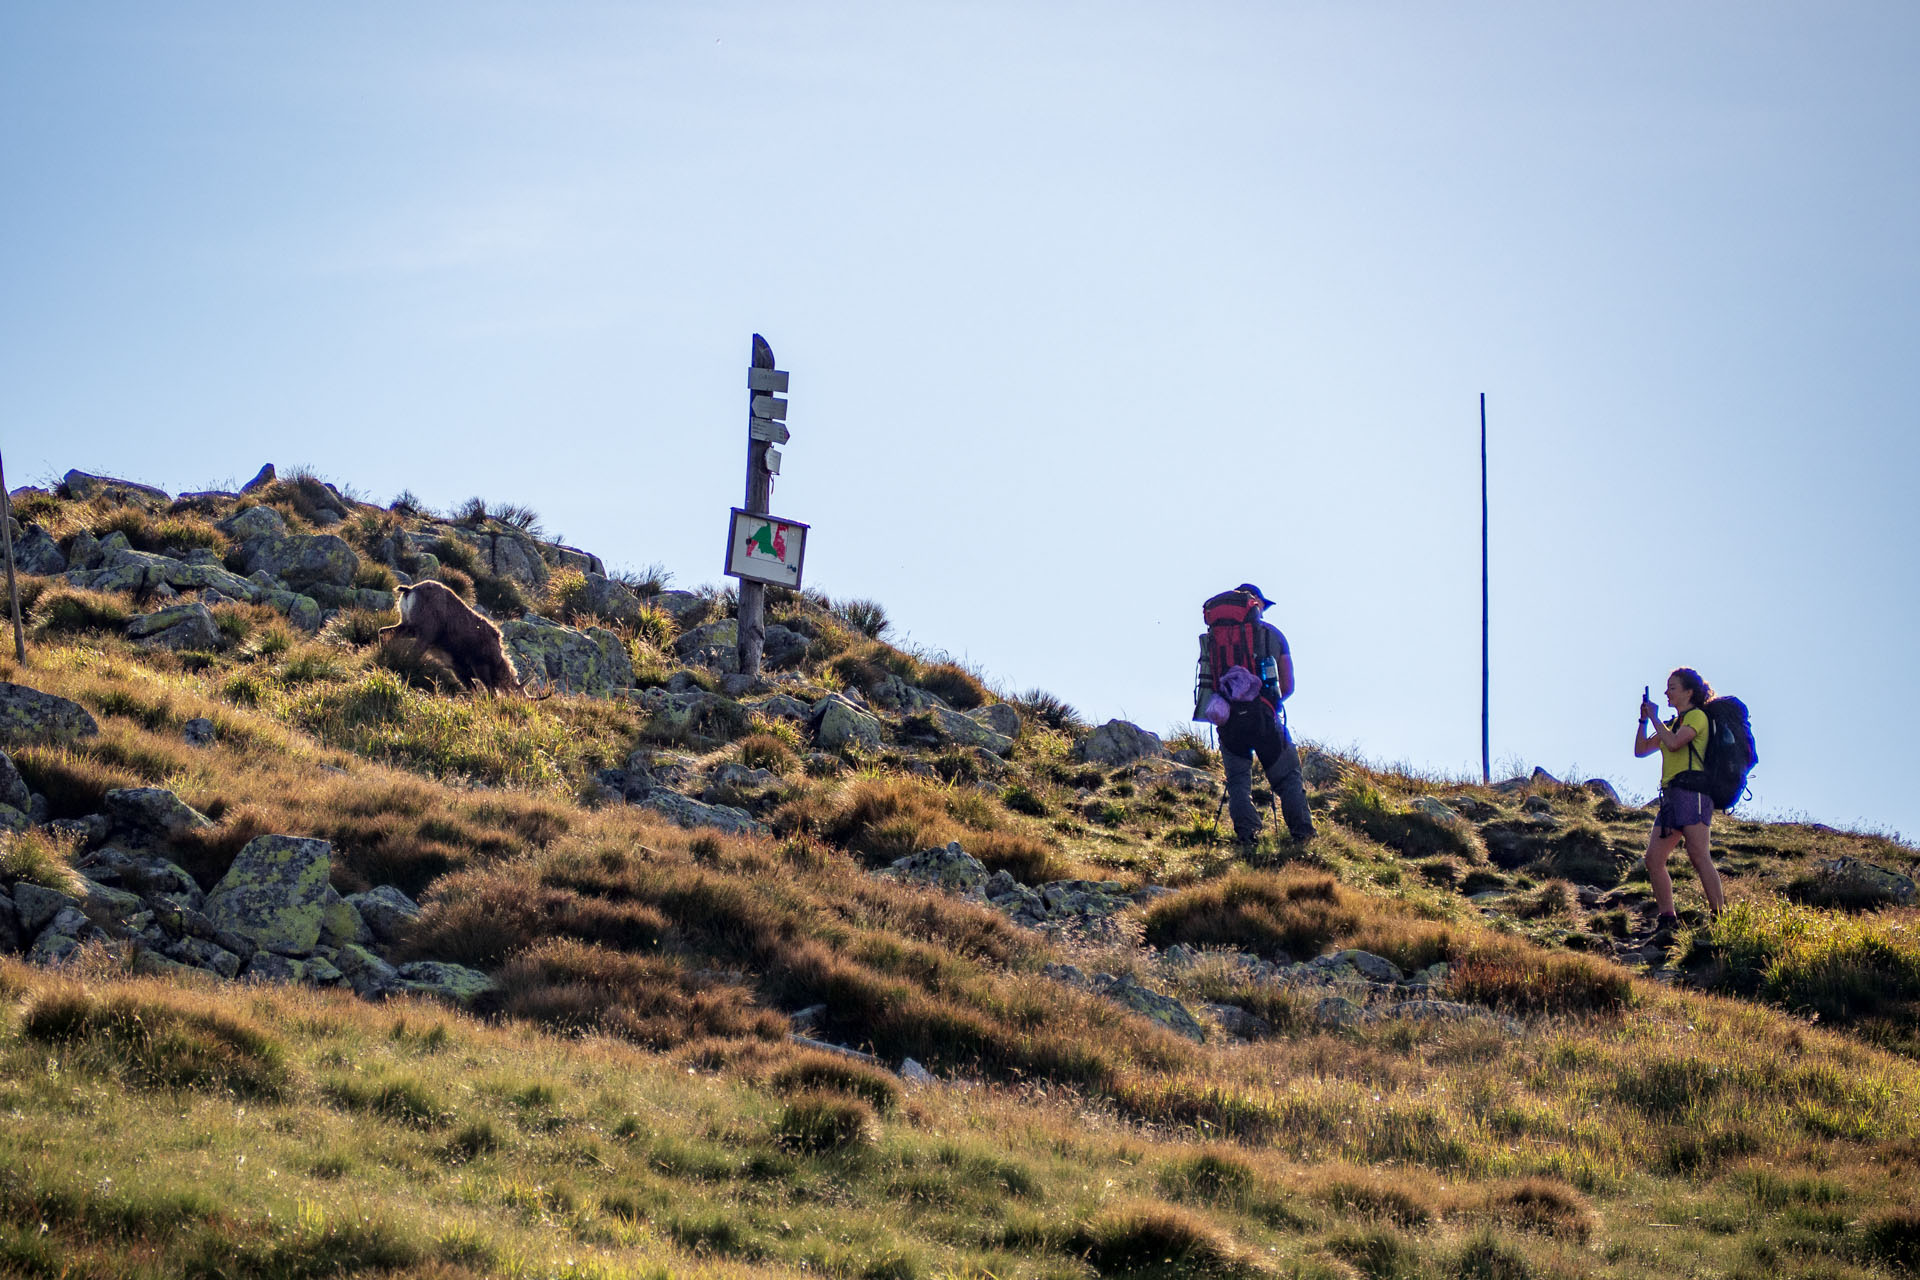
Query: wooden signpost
(759, 551)
(13, 591)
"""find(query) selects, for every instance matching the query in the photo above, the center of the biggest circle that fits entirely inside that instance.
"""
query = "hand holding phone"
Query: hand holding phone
(1646, 698)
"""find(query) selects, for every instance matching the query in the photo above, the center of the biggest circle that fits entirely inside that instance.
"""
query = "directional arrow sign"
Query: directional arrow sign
(769, 407)
(761, 429)
(766, 379)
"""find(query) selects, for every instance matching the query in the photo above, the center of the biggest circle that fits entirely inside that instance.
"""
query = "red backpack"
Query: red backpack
(1232, 621)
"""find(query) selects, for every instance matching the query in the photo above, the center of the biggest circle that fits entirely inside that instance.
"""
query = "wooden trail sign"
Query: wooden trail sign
(761, 548)
(13, 590)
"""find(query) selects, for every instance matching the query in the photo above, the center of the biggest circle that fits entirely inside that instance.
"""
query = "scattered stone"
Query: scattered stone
(1125, 990)
(254, 523)
(1242, 1024)
(1438, 810)
(275, 894)
(452, 982)
(37, 552)
(385, 910)
(1338, 1011)
(1118, 742)
(689, 812)
(1371, 967)
(999, 717)
(341, 924)
(715, 645)
(1602, 788)
(913, 1073)
(37, 905)
(370, 977)
(197, 732)
(1320, 768)
(29, 717)
(82, 486)
(261, 479)
(836, 723)
(605, 598)
(271, 966)
(952, 869)
(694, 713)
(152, 811)
(781, 706)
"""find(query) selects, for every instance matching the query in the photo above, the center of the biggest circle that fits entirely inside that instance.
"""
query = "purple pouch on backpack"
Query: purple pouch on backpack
(1240, 685)
(1216, 711)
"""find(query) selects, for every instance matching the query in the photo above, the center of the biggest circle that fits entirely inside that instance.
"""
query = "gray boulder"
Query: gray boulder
(593, 661)
(152, 811)
(454, 983)
(837, 723)
(13, 787)
(680, 604)
(781, 706)
(951, 869)
(605, 598)
(302, 560)
(36, 905)
(688, 812)
(1851, 880)
(79, 484)
(203, 953)
(271, 966)
(255, 523)
(10, 939)
(275, 894)
(197, 732)
(1371, 967)
(29, 717)
(386, 910)
(1118, 742)
(1000, 718)
(1338, 1011)
(1602, 788)
(1438, 810)
(370, 977)
(715, 645)
(261, 479)
(694, 714)
(342, 924)
(37, 552)
(1127, 991)
(1320, 768)
(183, 626)
(782, 648)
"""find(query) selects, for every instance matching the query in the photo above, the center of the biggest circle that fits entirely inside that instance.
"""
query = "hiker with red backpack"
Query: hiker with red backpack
(1246, 673)
(1706, 752)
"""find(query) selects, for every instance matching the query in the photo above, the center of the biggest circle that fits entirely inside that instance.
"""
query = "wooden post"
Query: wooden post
(753, 595)
(13, 590)
(1486, 756)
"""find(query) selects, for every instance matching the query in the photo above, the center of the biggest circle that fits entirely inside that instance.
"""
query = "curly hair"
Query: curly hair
(1700, 690)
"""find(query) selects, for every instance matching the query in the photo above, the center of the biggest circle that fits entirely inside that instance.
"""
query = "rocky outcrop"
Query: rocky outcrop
(275, 894)
(82, 486)
(182, 626)
(151, 813)
(37, 552)
(689, 812)
(837, 723)
(593, 661)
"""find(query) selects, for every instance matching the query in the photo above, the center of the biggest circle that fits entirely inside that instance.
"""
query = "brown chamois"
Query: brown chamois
(437, 620)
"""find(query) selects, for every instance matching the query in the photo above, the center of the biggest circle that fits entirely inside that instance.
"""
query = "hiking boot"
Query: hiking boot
(1664, 929)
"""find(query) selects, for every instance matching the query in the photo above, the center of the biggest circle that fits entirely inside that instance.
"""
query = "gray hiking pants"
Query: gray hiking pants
(1242, 738)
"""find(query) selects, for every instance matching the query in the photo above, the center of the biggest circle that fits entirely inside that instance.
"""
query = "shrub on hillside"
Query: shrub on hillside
(811, 1071)
(1162, 1241)
(1515, 976)
(820, 1123)
(954, 684)
(867, 617)
(1055, 713)
(1291, 915)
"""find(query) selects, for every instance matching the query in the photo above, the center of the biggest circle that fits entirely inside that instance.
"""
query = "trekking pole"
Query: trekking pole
(13, 590)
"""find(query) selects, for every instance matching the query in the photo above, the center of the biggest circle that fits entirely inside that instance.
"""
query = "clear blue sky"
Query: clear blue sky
(1091, 311)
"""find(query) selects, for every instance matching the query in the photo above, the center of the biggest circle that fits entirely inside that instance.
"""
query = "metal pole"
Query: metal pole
(13, 591)
(753, 595)
(1486, 756)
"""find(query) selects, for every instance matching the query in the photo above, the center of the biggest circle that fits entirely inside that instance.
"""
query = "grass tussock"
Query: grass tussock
(1849, 970)
(1409, 832)
(1294, 915)
(159, 1044)
(72, 611)
(39, 856)
(822, 1123)
(1510, 975)
(654, 1001)
(1152, 1239)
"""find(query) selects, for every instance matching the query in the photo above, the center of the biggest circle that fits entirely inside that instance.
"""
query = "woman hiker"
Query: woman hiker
(1684, 813)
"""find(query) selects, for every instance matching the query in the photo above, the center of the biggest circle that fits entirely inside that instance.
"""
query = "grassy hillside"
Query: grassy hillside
(630, 1102)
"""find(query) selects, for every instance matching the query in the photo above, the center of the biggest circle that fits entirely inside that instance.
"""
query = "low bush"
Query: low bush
(1161, 1240)
(811, 1071)
(1290, 915)
(1546, 1205)
(500, 597)
(1023, 799)
(867, 617)
(1512, 975)
(70, 611)
(954, 684)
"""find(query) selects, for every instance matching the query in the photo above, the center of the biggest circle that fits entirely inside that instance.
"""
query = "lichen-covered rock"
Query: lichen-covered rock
(1602, 788)
(203, 954)
(593, 661)
(37, 905)
(1371, 967)
(370, 977)
(838, 723)
(680, 717)
(255, 523)
(1000, 718)
(341, 923)
(152, 811)
(904, 697)
(37, 552)
(1338, 1011)
(29, 717)
(13, 788)
(1438, 810)
(781, 706)
(965, 731)
(53, 947)
(197, 732)
(275, 894)
(952, 869)
(302, 611)
(681, 604)
(302, 560)
(202, 576)
(715, 645)
(78, 484)
(1320, 768)
(689, 812)
(1126, 990)
(443, 981)
(385, 910)
(12, 819)
(605, 598)
(1118, 742)
(104, 903)
(183, 626)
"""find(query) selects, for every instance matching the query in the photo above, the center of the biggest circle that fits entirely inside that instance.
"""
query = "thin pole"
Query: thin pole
(753, 595)
(1486, 754)
(13, 591)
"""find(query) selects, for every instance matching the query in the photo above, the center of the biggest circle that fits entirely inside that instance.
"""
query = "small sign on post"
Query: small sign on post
(768, 549)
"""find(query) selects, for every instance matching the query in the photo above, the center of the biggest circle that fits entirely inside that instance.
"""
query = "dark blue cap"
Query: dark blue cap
(1256, 593)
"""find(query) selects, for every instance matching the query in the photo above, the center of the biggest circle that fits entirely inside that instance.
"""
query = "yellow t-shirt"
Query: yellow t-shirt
(1691, 756)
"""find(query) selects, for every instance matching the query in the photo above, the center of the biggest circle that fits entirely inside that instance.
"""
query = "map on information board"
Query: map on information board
(767, 549)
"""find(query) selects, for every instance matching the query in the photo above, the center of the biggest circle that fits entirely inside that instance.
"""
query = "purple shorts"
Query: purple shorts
(1681, 809)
